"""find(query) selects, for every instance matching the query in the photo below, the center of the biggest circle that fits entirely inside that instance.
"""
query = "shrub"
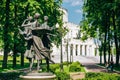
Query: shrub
(75, 67)
(101, 76)
(65, 63)
(10, 76)
(62, 76)
(53, 67)
(44, 69)
(92, 75)
(76, 63)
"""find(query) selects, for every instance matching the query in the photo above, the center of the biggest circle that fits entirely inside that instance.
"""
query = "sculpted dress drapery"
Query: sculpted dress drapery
(35, 47)
(32, 34)
(40, 50)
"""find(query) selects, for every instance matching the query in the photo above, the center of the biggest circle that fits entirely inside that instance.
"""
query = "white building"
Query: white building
(72, 44)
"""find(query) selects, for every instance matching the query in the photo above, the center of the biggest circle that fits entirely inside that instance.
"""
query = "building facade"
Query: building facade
(71, 43)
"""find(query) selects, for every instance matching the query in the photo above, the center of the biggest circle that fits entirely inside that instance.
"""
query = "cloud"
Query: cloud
(66, 1)
(79, 11)
(74, 2)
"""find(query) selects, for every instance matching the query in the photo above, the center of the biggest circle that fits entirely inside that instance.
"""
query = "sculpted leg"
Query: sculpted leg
(31, 63)
(38, 66)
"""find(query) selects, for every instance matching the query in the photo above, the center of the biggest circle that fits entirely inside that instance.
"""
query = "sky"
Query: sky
(74, 8)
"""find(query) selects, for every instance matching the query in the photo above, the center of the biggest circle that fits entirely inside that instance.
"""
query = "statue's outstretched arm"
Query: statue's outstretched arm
(25, 25)
(20, 31)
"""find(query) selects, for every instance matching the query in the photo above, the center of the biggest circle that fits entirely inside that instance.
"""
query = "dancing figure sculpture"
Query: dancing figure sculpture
(35, 47)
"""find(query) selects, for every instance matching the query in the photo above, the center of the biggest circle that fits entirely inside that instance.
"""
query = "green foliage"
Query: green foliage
(9, 76)
(75, 67)
(62, 76)
(53, 67)
(101, 76)
(44, 68)
(102, 21)
(77, 63)
(13, 14)
(9, 64)
(66, 63)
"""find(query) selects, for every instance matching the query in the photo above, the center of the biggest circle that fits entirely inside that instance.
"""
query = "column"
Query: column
(83, 50)
(78, 49)
(68, 52)
(74, 49)
(92, 51)
(87, 50)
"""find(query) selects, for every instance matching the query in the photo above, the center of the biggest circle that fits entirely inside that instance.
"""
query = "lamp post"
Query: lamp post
(61, 56)
(67, 52)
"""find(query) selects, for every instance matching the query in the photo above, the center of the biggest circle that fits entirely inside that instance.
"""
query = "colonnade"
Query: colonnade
(79, 49)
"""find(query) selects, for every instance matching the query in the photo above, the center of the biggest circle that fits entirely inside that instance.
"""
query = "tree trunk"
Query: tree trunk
(100, 50)
(26, 14)
(61, 57)
(22, 60)
(104, 52)
(109, 52)
(15, 37)
(14, 56)
(115, 38)
(100, 57)
(106, 32)
(109, 40)
(5, 34)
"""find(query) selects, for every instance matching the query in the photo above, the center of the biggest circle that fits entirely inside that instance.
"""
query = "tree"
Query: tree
(5, 33)
(103, 17)
(13, 15)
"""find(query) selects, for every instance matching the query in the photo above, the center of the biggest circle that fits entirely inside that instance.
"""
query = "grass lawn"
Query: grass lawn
(18, 66)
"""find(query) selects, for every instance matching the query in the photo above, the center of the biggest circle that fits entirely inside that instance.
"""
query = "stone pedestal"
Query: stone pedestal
(38, 76)
(77, 75)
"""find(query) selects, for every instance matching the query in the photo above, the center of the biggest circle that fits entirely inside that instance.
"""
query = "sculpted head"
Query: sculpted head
(30, 18)
(45, 18)
(37, 15)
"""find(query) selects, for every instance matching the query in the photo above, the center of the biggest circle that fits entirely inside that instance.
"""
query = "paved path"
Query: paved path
(88, 62)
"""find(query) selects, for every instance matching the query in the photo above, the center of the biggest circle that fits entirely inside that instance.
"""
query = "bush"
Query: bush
(10, 76)
(65, 63)
(53, 67)
(62, 76)
(75, 67)
(76, 63)
(101, 76)
(44, 68)
(92, 75)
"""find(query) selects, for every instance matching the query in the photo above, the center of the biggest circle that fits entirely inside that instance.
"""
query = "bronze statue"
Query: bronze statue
(35, 47)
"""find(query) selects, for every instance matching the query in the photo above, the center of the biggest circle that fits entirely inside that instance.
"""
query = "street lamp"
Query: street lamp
(61, 56)
(67, 50)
